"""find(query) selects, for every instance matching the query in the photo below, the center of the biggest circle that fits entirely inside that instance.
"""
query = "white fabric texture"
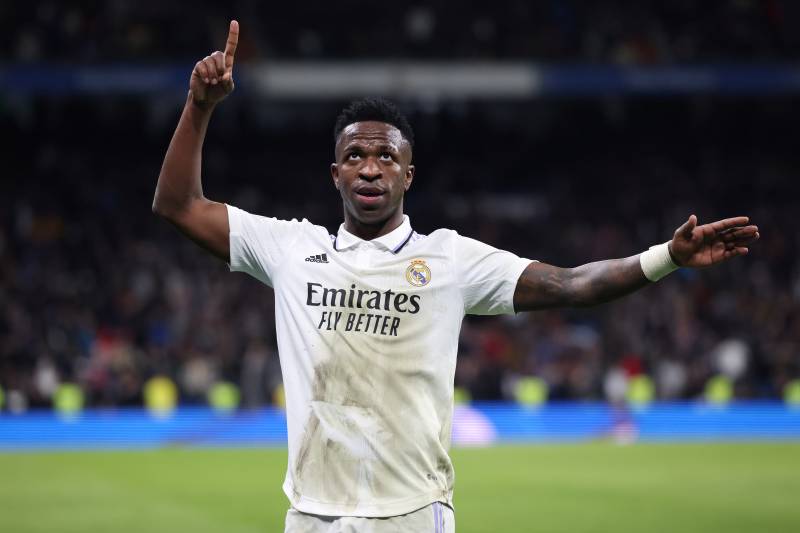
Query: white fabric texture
(656, 262)
(367, 337)
(434, 518)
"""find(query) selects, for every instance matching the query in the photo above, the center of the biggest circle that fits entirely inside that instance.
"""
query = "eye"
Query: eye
(353, 156)
(386, 156)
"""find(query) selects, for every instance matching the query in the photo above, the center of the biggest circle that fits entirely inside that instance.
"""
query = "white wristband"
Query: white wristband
(656, 262)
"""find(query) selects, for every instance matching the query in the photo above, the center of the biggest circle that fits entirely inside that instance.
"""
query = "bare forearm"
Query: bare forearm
(544, 286)
(179, 193)
(179, 181)
(603, 281)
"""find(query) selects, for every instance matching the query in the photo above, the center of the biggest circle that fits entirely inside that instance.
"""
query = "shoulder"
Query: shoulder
(436, 239)
(239, 219)
(459, 244)
(309, 231)
(447, 234)
(438, 235)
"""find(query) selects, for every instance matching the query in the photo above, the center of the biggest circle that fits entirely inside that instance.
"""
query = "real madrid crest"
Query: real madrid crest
(418, 274)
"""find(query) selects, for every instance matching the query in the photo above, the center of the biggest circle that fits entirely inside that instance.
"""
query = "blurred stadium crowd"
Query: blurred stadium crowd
(95, 290)
(609, 31)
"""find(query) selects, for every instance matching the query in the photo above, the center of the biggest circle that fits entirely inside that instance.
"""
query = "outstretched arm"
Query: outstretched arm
(543, 286)
(179, 193)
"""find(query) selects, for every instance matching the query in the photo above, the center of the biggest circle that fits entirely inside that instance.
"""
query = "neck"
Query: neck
(368, 231)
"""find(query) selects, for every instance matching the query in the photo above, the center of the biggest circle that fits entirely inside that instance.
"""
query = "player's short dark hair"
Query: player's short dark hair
(377, 109)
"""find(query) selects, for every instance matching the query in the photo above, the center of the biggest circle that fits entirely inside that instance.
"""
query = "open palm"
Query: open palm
(701, 246)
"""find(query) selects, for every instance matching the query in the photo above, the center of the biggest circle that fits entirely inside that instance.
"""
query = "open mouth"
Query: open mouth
(369, 195)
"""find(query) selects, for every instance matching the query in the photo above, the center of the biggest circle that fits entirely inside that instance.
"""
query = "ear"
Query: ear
(409, 177)
(335, 175)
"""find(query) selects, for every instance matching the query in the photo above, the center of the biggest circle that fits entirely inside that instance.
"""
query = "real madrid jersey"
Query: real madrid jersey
(367, 335)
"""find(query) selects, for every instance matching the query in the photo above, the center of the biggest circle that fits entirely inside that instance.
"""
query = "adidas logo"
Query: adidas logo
(321, 258)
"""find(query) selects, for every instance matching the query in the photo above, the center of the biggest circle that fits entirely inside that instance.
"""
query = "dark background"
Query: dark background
(95, 290)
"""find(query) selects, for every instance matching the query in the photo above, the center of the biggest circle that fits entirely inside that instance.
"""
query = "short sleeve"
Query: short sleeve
(258, 243)
(487, 276)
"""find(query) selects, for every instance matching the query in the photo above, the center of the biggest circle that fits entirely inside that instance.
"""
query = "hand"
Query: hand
(700, 246)
(212, 77)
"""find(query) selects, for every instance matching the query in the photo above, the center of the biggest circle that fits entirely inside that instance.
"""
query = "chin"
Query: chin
(370, 217)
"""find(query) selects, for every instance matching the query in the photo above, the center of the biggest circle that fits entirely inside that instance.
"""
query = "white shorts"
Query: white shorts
(434, 518)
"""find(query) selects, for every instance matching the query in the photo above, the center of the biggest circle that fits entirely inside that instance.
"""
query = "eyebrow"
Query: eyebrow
(353, 145)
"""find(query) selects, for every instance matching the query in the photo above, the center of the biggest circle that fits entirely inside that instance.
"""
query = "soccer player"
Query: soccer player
(368, 319)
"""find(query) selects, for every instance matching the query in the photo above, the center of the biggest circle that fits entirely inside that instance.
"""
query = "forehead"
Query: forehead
(370, 132)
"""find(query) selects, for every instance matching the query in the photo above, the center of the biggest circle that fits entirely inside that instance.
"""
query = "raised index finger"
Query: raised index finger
(230, 45)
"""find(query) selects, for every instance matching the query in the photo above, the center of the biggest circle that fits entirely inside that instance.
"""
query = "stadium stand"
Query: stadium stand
(608, 31)
(95, 290)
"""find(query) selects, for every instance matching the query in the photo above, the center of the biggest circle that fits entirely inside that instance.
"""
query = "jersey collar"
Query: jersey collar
(392, 241)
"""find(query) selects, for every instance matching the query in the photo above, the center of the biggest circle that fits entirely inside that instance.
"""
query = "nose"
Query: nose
(370, 170)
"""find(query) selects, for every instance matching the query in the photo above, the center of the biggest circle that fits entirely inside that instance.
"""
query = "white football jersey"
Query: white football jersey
(367, 335)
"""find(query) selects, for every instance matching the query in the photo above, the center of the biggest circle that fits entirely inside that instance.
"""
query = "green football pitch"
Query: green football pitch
(572, 488)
